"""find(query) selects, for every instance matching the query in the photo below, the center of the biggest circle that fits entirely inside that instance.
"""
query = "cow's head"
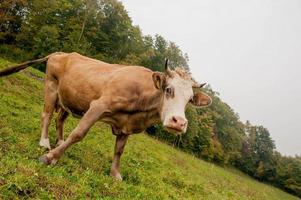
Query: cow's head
(178, 90)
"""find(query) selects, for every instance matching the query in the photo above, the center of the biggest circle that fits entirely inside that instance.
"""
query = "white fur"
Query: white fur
(44, 142)
(176, 106)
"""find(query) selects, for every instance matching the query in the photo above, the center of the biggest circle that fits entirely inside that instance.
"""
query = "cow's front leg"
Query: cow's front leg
(119, 147)
(90, 117)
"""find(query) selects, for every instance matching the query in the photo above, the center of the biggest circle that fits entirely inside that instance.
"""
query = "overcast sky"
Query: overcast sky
(248, 51)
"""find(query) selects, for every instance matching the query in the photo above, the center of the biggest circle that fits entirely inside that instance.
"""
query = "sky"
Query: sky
(248, 51)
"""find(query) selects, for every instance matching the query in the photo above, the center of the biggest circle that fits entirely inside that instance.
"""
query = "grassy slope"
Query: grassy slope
(151, 169)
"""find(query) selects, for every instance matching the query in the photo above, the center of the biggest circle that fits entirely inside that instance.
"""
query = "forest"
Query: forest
(102, 29)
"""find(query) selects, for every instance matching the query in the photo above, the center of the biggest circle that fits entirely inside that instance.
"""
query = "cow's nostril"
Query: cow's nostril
(183, 124)
(174, 119)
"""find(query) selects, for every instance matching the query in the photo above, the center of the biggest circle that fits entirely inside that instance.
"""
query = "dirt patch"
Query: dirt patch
(2, 182)
(38, 78)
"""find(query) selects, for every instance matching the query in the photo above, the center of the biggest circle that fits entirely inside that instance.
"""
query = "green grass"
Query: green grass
(150, 168)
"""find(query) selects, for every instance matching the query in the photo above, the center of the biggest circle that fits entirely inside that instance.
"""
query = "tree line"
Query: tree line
(102, 29)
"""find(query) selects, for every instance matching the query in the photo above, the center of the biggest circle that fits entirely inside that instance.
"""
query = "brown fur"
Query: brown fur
(129, 98)
(123, 96)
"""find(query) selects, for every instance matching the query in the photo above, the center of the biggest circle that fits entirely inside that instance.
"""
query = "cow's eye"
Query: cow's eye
(168, 91)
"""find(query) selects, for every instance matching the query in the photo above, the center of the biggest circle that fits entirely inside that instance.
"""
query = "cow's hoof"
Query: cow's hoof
(44, 142)
(59, 142)
(47, 161)
(117, 176)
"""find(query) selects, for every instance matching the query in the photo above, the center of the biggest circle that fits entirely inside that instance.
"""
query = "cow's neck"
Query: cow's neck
(160, 104)
(155, 114)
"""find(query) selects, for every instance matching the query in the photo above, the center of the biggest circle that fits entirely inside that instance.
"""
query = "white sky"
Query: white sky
(248, 51)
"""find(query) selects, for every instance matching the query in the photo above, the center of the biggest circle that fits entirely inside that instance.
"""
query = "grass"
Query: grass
(150, 168)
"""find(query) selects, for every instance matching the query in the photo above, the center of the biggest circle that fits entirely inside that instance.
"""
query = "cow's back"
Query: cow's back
(77, 65)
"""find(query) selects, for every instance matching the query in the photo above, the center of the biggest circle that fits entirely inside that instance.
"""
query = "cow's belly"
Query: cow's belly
(78, 102)
(133, 123)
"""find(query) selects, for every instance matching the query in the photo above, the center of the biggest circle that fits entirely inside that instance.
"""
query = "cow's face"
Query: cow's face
(177, 93)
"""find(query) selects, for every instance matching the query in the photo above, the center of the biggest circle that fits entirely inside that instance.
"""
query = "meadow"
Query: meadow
(150, 168)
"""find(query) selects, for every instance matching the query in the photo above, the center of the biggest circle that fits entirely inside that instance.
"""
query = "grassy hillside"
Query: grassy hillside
(151, 169)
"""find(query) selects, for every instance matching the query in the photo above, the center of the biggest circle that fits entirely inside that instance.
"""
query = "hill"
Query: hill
(150, 168)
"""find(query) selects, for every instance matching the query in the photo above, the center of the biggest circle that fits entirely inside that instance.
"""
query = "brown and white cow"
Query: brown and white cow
(129, 98)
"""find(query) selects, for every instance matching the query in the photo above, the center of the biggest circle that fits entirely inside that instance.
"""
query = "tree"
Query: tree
(12, 14)
(176, 57)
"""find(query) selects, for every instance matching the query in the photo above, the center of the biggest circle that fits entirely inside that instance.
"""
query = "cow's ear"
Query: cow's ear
(159, 80)
(201, 99)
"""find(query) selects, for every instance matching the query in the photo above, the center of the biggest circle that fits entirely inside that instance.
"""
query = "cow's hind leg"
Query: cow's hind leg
(62, 116)
(50, 98)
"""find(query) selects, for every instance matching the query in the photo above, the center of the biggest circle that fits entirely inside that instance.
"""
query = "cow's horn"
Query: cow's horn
(167, 70)
(197, 85)
(166, 64)
(202, 85)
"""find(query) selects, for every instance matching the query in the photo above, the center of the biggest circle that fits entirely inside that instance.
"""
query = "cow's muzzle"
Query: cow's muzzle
(176, 124)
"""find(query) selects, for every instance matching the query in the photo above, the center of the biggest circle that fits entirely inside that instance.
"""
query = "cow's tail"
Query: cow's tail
(13, 69)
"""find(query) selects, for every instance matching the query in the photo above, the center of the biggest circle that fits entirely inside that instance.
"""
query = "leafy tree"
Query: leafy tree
(12, 13)
(177, 59)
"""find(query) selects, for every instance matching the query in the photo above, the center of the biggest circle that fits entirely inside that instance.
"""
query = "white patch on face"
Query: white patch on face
(175, 107)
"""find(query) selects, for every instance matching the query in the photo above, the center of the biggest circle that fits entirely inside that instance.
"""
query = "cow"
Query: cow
(128, 98)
